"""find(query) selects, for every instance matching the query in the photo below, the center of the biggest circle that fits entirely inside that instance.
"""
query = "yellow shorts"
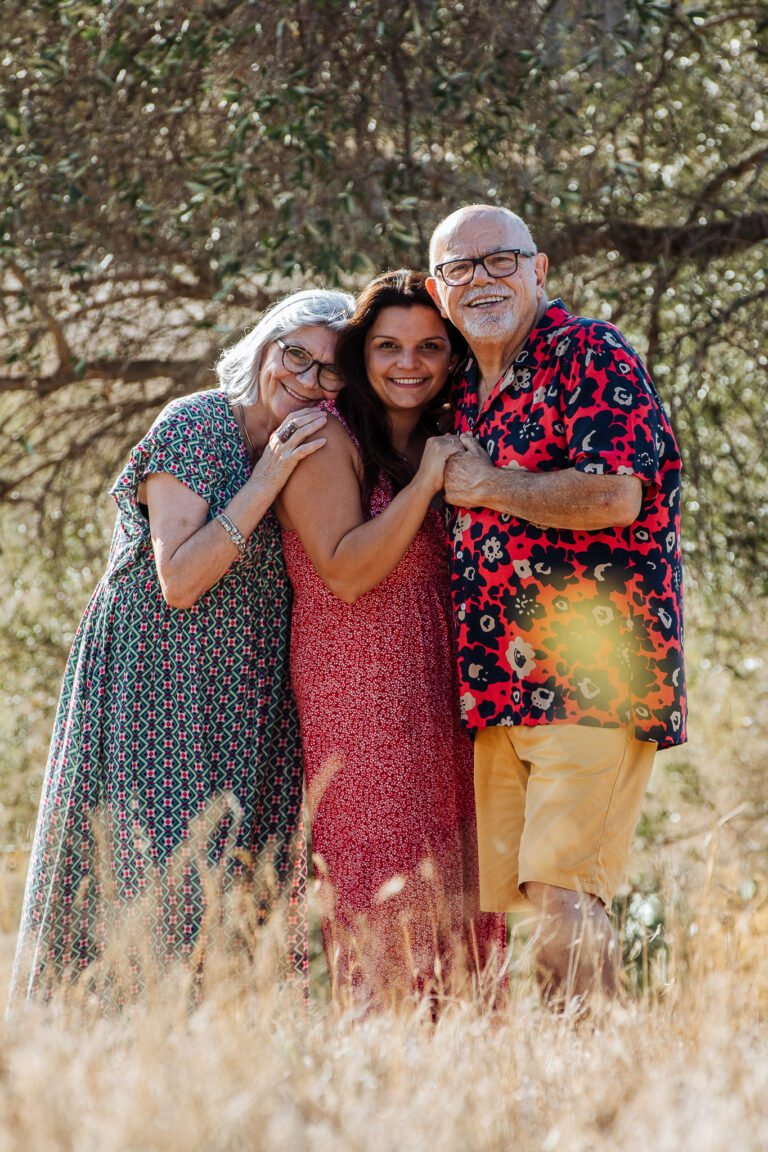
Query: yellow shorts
(556, 803)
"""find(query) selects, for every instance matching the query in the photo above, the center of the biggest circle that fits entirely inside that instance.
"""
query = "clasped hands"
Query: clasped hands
(465, 472)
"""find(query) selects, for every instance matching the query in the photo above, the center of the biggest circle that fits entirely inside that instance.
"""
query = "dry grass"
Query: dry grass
(683, 1067)
(252, 1068)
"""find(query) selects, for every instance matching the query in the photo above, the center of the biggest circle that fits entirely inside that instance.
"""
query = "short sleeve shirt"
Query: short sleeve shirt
(563, 626)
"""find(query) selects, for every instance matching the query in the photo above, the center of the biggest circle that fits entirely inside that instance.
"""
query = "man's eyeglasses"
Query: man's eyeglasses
(296, 359)
(496, 264)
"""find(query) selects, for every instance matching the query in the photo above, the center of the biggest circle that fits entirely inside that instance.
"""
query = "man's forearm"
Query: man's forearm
(567, 499)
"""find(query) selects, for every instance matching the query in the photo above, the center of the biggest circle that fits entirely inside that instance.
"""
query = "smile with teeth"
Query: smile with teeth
(408, 381)
(299, 396)
(482, 301)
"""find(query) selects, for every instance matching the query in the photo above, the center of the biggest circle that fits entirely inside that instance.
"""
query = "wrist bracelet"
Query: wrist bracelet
(233, 532)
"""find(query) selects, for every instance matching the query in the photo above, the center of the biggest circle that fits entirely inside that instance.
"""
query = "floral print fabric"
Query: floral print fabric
(559, 626)
(389, 774)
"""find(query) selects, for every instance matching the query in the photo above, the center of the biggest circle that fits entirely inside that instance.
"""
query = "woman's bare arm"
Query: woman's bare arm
(322, 503)
(192, 552)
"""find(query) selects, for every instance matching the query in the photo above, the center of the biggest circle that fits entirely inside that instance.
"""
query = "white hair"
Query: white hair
(238, 367)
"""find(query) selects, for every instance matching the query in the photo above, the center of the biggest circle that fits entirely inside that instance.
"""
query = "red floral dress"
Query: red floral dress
(389, 775)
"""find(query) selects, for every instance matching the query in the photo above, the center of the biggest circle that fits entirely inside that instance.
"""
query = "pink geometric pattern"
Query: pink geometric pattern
(175, 762)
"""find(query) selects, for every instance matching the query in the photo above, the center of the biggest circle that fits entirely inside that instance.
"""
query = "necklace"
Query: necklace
(244, 426)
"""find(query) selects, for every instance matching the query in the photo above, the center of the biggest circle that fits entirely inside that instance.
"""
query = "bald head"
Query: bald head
(493, 309)
(488, 217)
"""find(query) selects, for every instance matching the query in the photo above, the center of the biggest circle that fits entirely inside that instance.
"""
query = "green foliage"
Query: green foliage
(641, 921)
(168, 169)
(47, 585)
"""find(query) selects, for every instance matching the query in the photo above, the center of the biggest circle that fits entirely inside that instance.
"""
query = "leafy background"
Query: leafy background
(167, 169)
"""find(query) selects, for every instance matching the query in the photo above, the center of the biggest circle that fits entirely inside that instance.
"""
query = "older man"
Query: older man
(567, 585)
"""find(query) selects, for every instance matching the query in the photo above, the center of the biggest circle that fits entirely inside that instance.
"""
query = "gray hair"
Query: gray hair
(238, 367)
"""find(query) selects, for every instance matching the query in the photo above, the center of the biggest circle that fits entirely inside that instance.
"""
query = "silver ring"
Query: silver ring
(287, 432)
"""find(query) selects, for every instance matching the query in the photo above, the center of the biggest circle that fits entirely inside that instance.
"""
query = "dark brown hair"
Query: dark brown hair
(359, 405)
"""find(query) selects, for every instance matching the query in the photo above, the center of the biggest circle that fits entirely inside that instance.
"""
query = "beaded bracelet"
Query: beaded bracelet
(233, 532)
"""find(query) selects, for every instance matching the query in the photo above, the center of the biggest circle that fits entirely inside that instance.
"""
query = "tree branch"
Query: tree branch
(730, 172)
(130, 371)
(642, 243)
(63, 350)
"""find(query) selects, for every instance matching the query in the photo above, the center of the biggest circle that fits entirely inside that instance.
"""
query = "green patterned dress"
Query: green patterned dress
(174, 775)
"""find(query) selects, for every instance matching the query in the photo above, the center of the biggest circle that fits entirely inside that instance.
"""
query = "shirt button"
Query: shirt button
(463, 607)
(459, 554)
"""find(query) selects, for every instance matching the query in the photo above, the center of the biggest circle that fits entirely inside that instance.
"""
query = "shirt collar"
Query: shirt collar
(555, 314)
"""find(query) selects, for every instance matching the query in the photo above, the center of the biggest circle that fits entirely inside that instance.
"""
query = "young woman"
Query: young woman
(175, 753)
(388, 767)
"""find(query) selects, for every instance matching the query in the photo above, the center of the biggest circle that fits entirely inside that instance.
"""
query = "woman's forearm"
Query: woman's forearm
(192, 553)
(323, 504)
(367, 554)
(188, 570)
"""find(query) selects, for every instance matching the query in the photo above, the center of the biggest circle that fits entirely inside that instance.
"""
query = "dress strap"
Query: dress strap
(329, 406)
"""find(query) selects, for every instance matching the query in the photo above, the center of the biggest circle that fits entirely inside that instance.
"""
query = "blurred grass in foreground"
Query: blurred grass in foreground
(682, 1067)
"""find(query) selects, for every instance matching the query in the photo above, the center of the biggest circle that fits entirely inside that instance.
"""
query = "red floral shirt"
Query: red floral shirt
(561, 626)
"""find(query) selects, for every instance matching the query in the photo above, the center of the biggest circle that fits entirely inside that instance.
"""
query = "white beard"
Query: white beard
(484, 326)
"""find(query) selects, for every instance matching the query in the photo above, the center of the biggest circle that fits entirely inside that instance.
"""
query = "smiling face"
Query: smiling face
(282, 391)
(407, 356)
(487, 310)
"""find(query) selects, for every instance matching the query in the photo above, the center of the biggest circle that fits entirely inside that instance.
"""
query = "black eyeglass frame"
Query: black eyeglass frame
(321, 366)
(475, 260)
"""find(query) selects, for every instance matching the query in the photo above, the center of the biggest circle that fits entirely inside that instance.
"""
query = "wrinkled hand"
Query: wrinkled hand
(438, 450)
(464, 474)
(281, 455)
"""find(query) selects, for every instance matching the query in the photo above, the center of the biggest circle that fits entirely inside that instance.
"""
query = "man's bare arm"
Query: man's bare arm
(582, 502)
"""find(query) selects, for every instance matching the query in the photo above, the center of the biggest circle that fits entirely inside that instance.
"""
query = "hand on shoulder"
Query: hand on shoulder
(299, 436)
(331, 472)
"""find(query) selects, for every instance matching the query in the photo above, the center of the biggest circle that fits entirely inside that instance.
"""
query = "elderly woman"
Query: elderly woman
(175, 763)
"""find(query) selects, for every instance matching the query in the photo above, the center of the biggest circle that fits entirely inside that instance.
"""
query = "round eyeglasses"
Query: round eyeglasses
(496, 264)
(297, 360)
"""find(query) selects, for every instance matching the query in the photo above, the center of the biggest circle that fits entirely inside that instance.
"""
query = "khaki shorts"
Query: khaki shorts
(556, 803)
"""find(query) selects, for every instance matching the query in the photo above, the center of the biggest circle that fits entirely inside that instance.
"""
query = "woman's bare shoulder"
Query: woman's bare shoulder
(337, 434)
(334, 472)
(339, 448)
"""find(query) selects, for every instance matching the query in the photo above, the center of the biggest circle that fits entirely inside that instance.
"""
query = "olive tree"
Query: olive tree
(168, 168)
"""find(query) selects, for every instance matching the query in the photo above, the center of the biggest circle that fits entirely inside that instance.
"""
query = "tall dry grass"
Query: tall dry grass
(683, 1065)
